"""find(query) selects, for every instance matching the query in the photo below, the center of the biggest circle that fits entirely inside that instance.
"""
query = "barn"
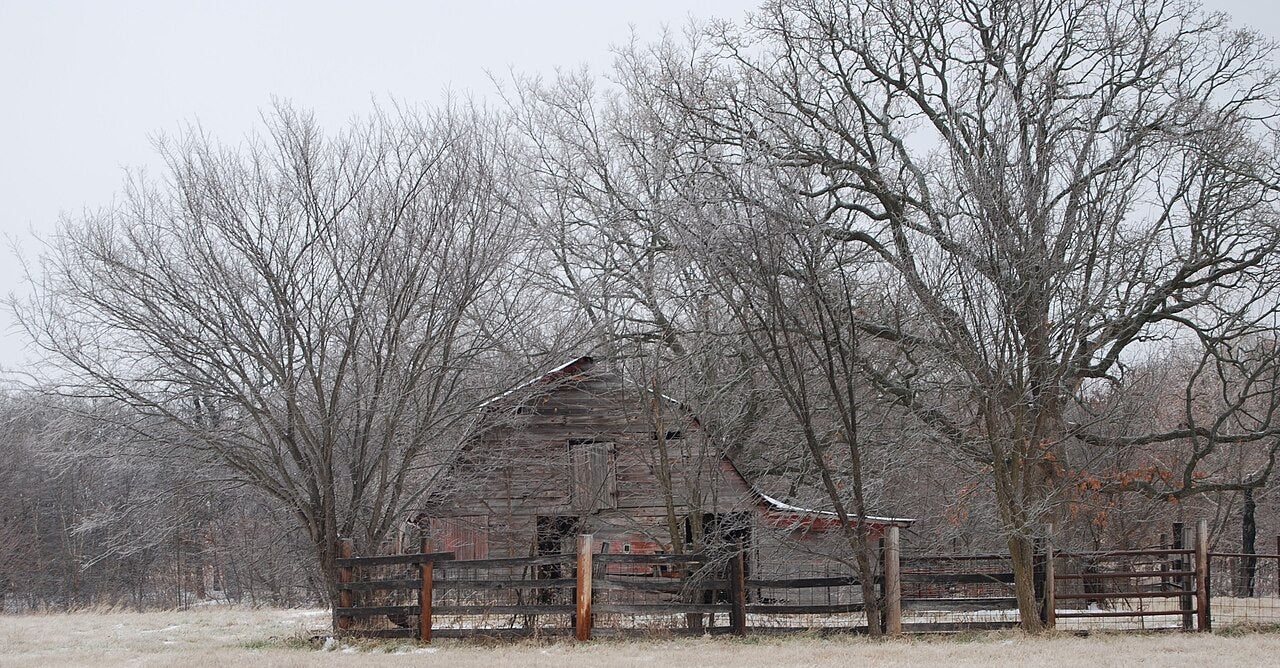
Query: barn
(578, 449)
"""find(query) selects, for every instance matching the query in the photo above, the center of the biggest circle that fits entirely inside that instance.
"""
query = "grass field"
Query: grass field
(217, 637)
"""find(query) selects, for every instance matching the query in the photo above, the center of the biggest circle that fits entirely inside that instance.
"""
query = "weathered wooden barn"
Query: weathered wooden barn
(580, 450)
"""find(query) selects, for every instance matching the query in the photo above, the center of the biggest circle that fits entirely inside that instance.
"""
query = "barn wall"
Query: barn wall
(524, 465)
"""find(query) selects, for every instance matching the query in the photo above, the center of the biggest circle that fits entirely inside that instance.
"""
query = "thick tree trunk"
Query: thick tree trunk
(866, 577)
(1022, 551)
(327, 554)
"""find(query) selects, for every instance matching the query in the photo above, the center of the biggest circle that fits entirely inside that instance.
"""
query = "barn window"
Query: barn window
(720, 531)
(593, 481)
(557, 534)
(671, 435)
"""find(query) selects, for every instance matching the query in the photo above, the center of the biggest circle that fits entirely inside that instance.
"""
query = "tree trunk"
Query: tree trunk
(1022, 552)
(866, 577)
(1248, 545)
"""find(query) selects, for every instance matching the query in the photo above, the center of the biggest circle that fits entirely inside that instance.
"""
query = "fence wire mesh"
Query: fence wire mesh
(1245, 589)
(498, 597)
(950, 592)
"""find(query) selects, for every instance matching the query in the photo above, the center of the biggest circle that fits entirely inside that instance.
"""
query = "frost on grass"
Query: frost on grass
(279, 637)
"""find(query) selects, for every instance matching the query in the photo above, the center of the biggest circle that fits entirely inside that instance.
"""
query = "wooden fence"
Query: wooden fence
(589, 594)
(349, 587)
(590, 577)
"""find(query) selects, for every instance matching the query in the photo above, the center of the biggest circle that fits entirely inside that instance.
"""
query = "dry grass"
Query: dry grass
(216, 637)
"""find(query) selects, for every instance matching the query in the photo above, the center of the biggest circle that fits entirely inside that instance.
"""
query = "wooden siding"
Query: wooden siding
(466, 537)
(588, 448)
(582, 449)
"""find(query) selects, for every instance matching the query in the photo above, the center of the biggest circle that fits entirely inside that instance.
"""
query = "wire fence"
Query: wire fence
(958, 592)
(1245, 589)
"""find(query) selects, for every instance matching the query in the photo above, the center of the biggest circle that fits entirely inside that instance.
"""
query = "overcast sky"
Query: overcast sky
(84, 85)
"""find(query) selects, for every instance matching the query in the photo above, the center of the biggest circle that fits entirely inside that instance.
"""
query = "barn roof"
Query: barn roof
(813, 519)
(568, 368)
(781, 511)
(822, 519)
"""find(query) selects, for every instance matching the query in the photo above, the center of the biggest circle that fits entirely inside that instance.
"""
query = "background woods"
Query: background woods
(989, 265)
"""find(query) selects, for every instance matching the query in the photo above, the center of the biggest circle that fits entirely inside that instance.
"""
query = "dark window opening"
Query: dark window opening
(556, 534)
(721, 534)
(671, 435)
(720, 531)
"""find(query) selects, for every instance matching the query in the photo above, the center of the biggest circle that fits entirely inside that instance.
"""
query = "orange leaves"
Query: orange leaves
(1089, 484)
(957, 512)
(1123, 480)
(1101, 518)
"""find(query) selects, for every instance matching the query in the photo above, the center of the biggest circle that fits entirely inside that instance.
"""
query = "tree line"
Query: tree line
(993, 265)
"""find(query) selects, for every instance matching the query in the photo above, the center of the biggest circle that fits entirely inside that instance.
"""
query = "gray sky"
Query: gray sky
(85, 84)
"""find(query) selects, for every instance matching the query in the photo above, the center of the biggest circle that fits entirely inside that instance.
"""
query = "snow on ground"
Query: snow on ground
(237, 636)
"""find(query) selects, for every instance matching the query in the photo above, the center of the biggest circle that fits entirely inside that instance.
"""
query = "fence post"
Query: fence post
(346, 574)
(880, 584)
(427, 570)
(1049, 614)
(892, 581)
(738, 592)
(1203, 620)
(1164, 563)
(1184, 583)
(582, 625)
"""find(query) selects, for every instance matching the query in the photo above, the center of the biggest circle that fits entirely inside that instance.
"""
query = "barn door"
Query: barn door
(593, 475)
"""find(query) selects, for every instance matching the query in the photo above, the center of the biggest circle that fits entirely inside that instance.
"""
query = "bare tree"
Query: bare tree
(796, 295)
(602, 192)
(312, 311)
(1053, 188)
